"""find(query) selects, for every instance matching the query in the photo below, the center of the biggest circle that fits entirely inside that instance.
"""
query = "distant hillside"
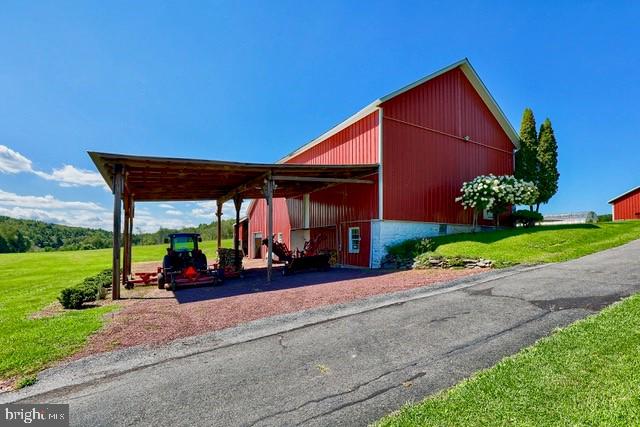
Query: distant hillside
(24, 235)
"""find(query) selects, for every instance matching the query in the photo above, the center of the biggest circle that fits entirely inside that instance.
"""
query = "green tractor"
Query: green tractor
(185, 264)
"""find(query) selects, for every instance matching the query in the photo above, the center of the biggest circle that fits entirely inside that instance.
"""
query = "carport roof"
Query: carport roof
(161, 179)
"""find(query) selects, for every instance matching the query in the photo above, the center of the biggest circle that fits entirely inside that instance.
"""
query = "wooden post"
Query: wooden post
(269, 197)
(125, 238)
(219, 215)
(117, 213)
(237, 201)
(130, 251)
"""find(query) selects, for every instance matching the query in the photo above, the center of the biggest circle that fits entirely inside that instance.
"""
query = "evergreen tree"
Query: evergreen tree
(547, 160)
(526, 156)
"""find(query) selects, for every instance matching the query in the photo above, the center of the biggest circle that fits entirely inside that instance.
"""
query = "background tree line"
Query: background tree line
(24, 235)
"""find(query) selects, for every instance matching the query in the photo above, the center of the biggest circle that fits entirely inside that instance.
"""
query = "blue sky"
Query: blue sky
(255, 80)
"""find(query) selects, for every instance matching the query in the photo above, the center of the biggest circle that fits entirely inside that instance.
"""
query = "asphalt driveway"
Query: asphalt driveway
(341, 365)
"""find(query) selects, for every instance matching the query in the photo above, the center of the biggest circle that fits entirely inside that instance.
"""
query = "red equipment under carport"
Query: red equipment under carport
(306, 259)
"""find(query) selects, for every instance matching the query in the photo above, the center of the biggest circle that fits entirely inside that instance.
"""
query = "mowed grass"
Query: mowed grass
(586, 374)
(540, 244)
(31, 282)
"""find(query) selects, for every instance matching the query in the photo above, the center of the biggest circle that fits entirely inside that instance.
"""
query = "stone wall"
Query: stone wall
(387, 232)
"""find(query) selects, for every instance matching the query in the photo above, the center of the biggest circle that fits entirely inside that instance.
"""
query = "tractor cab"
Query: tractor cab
(183, 252)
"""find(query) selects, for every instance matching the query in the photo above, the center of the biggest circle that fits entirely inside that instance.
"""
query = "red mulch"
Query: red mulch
(158, 316)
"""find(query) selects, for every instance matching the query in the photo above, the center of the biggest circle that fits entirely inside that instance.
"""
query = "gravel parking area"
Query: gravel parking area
(153, 316)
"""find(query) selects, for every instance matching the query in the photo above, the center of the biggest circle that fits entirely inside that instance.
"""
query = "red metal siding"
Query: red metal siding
(258, 222)
(331, 208)
(425, 156)
(627, 207)
(361, 258)
(330, 240)
(344, 203)
(356, 144)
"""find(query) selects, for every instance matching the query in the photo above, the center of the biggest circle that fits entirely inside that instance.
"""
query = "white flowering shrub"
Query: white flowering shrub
(496, 193)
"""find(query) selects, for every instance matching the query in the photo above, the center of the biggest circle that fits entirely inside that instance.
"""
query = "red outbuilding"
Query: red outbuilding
(627, 205)
(427, 139)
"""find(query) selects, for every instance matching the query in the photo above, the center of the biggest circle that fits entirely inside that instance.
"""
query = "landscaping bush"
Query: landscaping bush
(526, 218)
(412, 247)
(402, 254)
(91, 288)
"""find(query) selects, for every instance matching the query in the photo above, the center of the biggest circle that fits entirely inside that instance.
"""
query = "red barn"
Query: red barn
(427, 138)
(627, 205)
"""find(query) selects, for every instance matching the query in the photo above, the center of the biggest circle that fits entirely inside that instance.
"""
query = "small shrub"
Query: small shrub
(411, 248)
(91, 288)
(401, 255)
(526, 218)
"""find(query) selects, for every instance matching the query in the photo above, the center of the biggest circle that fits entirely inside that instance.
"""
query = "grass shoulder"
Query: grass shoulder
(585, 374)
(527, 245)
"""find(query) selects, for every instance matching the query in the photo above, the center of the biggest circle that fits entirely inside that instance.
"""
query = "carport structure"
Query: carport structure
(160, 179)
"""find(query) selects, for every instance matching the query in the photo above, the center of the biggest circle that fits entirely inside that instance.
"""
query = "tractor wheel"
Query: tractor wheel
(161, 281)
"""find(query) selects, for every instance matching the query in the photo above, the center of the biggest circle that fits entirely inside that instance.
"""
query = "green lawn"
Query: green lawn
(586, 374)
(30, 282)
(539, 244)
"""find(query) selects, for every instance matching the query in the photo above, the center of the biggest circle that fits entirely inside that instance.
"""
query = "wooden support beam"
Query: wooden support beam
(268, 194)
(317, 179)
(255, 182)
(117, 216)
(129, 252)
(237, 202)
(219, 215)
(125, 242)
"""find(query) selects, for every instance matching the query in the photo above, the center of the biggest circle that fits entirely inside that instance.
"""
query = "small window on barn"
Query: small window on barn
(487, 215)
(354, 240)
(280, 238)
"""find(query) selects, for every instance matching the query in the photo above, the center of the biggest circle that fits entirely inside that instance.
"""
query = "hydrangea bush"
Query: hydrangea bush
(496, 194)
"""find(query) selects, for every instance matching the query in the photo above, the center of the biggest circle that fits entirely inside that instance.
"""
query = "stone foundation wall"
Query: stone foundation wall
(387, 232)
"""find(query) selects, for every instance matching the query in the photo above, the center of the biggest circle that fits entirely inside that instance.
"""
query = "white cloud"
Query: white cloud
(48, 201)
(208, 210)
(166, 206)
(149, 223)
(174, 212)
(81, 214)
(12, 162)
(70, 176)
